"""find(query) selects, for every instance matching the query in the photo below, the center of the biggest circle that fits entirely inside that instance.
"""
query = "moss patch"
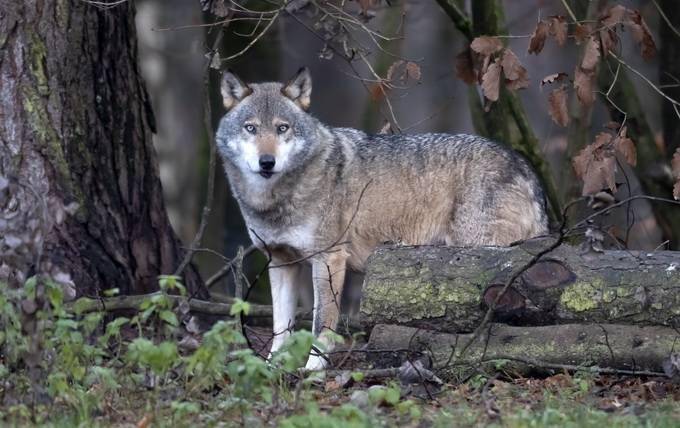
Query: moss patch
(581, 296)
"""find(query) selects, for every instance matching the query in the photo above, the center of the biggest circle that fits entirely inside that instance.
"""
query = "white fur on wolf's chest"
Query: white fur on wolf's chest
(300, 237)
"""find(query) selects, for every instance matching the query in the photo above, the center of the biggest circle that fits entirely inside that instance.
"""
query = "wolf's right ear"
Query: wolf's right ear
(233, 90)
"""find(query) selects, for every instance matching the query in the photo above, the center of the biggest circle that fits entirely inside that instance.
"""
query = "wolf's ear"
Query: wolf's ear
(233, 90)
(299, 88)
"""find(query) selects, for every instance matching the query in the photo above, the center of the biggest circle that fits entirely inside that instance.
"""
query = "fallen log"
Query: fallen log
(450, 289)
(613, 349)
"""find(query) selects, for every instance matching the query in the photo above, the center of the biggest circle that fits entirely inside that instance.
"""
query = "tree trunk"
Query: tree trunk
(527, 350)
(450, 289)
(77, 128)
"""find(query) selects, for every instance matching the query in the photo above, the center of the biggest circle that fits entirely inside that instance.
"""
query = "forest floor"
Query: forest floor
(158, 368)
(560, 400)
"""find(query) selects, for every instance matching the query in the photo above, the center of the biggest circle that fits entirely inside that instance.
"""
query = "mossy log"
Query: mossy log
(450, 289)
(602, 348)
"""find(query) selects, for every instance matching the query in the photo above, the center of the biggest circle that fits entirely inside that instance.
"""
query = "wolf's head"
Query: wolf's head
(266, 131)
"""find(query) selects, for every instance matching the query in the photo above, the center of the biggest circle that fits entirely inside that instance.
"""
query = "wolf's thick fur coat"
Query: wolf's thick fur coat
(333, 194)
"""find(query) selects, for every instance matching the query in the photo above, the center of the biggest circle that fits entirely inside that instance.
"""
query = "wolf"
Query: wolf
(314, 194)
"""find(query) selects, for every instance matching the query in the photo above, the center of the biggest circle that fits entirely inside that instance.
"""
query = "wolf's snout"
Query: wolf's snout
(267, 162)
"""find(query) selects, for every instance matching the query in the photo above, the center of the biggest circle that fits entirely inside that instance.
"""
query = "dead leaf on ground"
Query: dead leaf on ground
(552, 78)
(583, 83)
(591, 55)
(465, 67)
(491, 81)
(486, 45)
(557, 106)
(558, 29)
(515, 73)
(537, 41)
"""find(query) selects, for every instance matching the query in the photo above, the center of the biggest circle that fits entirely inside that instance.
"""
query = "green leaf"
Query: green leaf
(358, 376)
(112, 292)
(392, 396)
(239, 306)
(169, 317)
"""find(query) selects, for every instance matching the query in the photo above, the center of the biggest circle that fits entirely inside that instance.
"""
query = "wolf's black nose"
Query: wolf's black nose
(267, 162)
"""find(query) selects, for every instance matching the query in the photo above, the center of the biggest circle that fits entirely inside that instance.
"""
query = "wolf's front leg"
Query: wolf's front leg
(284, 288)
(328, 277)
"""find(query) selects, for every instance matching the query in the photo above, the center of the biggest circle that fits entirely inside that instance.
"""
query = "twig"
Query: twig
(665, 18)
(569, 11)
(226, 268)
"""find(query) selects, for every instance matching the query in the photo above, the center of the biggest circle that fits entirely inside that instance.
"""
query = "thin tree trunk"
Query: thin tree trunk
(669, 67)
(77, 128)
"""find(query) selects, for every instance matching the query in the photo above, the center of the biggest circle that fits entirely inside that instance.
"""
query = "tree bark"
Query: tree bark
(527, 350)
(450, 289)
(77, 128)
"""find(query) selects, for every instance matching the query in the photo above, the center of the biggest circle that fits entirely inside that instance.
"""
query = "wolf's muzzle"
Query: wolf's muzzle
(267, 163)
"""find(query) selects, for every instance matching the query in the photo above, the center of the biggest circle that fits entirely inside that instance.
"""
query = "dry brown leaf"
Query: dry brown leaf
(675, 169)
(642, 35)
(614, 15)
(516, 75)
(391, 72)
(491, 81)
(583, 83)
(558, 29)
(378, 91)
(609, 40)
(557, 106)
(591, 56)
(596, 165)
(367, 5)
(537, 40)
(552, 78)
(485, 45)
(465, 68)
(413, 71)
(581, 33)
(626, 147)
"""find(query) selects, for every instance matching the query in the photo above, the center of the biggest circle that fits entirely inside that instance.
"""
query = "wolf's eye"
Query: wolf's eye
(250, 128)
(282, 128)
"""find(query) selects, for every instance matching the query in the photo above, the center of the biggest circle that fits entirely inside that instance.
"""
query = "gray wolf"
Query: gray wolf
(310, 193)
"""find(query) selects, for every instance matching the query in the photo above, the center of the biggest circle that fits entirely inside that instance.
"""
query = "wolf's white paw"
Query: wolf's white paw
(316, 362)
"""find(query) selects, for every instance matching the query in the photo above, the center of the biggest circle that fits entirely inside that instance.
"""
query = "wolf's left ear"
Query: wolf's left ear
(299, 88)
(233, 90)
